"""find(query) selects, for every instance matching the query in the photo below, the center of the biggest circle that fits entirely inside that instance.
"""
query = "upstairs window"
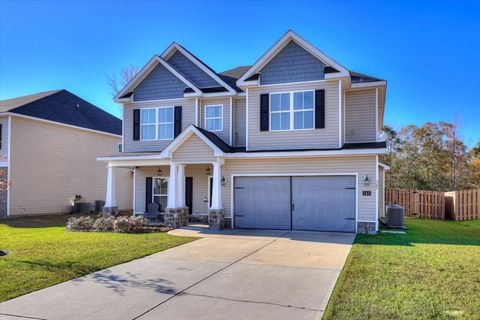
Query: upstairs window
(214, 118)
(291, 110)
(148, 124)
(156, 123)
(165, 123)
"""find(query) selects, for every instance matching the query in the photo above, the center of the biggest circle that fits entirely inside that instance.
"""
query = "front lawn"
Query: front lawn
(42, 253)
(432, 272)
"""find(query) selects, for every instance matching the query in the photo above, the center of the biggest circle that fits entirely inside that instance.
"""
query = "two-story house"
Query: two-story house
(49, 144)
(290, 142)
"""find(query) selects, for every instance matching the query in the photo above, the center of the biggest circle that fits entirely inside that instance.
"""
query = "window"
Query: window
(291, 111)
(147, 124)
(214, 118)
(159, 194)
(120, 147)
(303, 110)
(156, 123)
(165, 123)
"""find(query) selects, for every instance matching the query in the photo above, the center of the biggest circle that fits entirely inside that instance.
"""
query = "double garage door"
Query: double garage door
(319, 203)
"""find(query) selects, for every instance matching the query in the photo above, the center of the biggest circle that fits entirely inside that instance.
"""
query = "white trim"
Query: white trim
(246, 120)
(292, 83)
(344, 116)
(369, 84)
(383, 191)
(280, 44)
(376, 114)
(134, 195)
(151, 64)
(177, 142)
(9, 161)
(132, 157)
(157, 124)
(339, 113)
(231, 120)
(137, 163)
(60, 124)
(196, 112)
(168, 53)
(296, 154)
(234, 175)
(123, 128)
(213, 118)
(291, 111)
(384, 166)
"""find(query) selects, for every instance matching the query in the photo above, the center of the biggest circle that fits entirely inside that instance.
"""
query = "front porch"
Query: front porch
(174, 194)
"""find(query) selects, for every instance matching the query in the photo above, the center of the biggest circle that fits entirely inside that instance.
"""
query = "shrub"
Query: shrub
(80, 224)
(137, 224)
(121, 225)
(103, 224)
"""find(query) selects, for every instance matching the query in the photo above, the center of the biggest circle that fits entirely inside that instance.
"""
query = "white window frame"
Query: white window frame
(163, 123)
(291, 111)
(149, 124)
(157, 124)
(153, 188)
(213, 118)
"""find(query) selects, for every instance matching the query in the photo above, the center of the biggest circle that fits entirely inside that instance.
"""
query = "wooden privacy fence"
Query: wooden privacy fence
(463, 205)
(418, 203)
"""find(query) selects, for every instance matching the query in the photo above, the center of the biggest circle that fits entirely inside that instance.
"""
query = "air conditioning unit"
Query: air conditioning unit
(395, 216)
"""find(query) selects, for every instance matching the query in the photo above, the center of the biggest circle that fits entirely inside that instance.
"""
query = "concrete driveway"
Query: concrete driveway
(235, 274)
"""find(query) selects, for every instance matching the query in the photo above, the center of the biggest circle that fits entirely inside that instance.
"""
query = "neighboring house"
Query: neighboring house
(49, 143)
(291, 142)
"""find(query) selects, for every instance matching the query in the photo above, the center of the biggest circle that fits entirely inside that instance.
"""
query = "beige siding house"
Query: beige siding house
(290, 142)
(50, 157)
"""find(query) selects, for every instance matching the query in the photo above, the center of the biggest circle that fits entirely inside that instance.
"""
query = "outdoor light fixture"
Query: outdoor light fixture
(159, 172)
(223, 181)
(207, 172)
(366, 181)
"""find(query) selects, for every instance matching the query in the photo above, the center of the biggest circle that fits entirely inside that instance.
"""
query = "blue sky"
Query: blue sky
(428, 51)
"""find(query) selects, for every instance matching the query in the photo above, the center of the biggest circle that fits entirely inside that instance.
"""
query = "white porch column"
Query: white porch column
(110, 198)
(181, 186)
(217, 187)
(172, 186)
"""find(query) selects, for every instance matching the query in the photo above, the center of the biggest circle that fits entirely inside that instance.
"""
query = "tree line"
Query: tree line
(430, 157)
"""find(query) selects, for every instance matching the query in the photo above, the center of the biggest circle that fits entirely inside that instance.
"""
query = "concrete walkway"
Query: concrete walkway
(235, 274)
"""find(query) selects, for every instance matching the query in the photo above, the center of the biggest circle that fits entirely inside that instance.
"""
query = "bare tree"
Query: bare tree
(116, 81)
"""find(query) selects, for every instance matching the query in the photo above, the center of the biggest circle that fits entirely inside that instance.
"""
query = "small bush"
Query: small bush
(121, 225)
(137, 224)
(103, 224)
(80, 224)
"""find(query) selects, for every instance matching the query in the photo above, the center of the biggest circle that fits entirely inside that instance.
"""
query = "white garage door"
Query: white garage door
(319, 203)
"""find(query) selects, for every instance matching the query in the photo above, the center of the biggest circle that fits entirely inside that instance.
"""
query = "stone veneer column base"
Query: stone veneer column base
(366, 227)
(216, 219)
(176, 217)
(109, 211)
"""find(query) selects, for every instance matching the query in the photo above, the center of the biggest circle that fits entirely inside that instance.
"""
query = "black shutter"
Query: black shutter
(319, 109)
(264, 110)
(148, 192)
(0, 136)
(177, 127)
(136, 124)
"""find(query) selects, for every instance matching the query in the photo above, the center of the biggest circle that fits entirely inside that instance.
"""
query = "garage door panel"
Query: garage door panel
(323, 203)
(262, 202)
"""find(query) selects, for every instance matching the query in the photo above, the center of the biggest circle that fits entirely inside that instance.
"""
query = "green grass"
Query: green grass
(432, 272)
(42, 253)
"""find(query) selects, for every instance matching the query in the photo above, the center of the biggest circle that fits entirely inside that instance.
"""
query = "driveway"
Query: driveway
(235, 274)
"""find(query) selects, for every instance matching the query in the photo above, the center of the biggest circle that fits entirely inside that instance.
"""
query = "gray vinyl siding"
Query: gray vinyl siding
(239, 122)
(225, 133)
(159, 84)
(327, 137)
(360, 116)
(381, 192)
(193, 150)
(191, 71)
(188, 117)
(363, 165)
(292, 64)
(4, 148)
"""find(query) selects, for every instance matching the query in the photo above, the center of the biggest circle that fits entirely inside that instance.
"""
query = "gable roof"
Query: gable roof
(280, 44)
(126, 92)
(236, 72)
(360, 77)
(203, 66)
(64, 107)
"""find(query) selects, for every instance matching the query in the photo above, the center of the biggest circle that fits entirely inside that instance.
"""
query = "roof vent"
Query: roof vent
(78, 106)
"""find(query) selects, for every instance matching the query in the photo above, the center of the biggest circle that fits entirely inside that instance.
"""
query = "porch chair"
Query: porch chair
(152, 213)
